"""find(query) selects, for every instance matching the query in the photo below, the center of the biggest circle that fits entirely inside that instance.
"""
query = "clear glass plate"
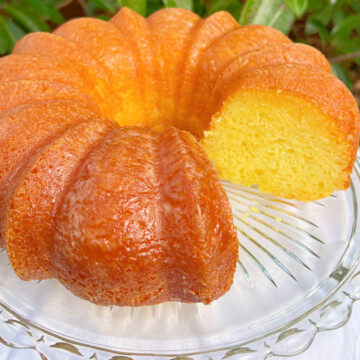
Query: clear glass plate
(294, 259)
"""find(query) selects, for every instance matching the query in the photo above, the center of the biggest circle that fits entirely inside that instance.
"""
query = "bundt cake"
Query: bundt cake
(129, 210)
(134, 225)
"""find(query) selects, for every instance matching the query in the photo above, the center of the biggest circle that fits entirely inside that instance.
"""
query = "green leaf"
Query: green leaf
(353, 4)
(356, 7)
(26, 19)
(249, 11)
(268, 12)
(232, 6)
(4, 37)
(342, 74)
(154, 5)
(106, 5)
(315, 5)
(218, 5)
(298, 7)
(90, 9)
(184, 4)
(55, 15)
(14, 32)
(137, 5)
(343, 29)
(338, 16)
(47, 11)
(55, 3)
(103, 17)
(348, 46)
(316, 27)
(235, 10)
(323, 16)
(283, 20)
(40, 7)
(199, 7)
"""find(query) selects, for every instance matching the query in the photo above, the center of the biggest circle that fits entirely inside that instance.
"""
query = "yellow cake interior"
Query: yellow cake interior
(252, 143)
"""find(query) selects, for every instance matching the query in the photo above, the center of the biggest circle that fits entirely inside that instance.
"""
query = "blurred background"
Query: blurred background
(332, 26)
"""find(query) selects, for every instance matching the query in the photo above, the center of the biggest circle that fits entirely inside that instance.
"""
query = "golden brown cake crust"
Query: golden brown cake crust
(39, 193)
(144, 225)
(52, 45)
(22, 92)
(24, 130)
(170, 39)
(137, 32)
(115, 50)
(39, 67)
(202, 36)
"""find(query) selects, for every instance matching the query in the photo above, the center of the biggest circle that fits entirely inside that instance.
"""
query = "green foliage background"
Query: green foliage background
(333, 26)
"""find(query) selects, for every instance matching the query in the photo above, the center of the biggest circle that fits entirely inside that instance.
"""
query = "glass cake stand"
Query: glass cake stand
(295, 277)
